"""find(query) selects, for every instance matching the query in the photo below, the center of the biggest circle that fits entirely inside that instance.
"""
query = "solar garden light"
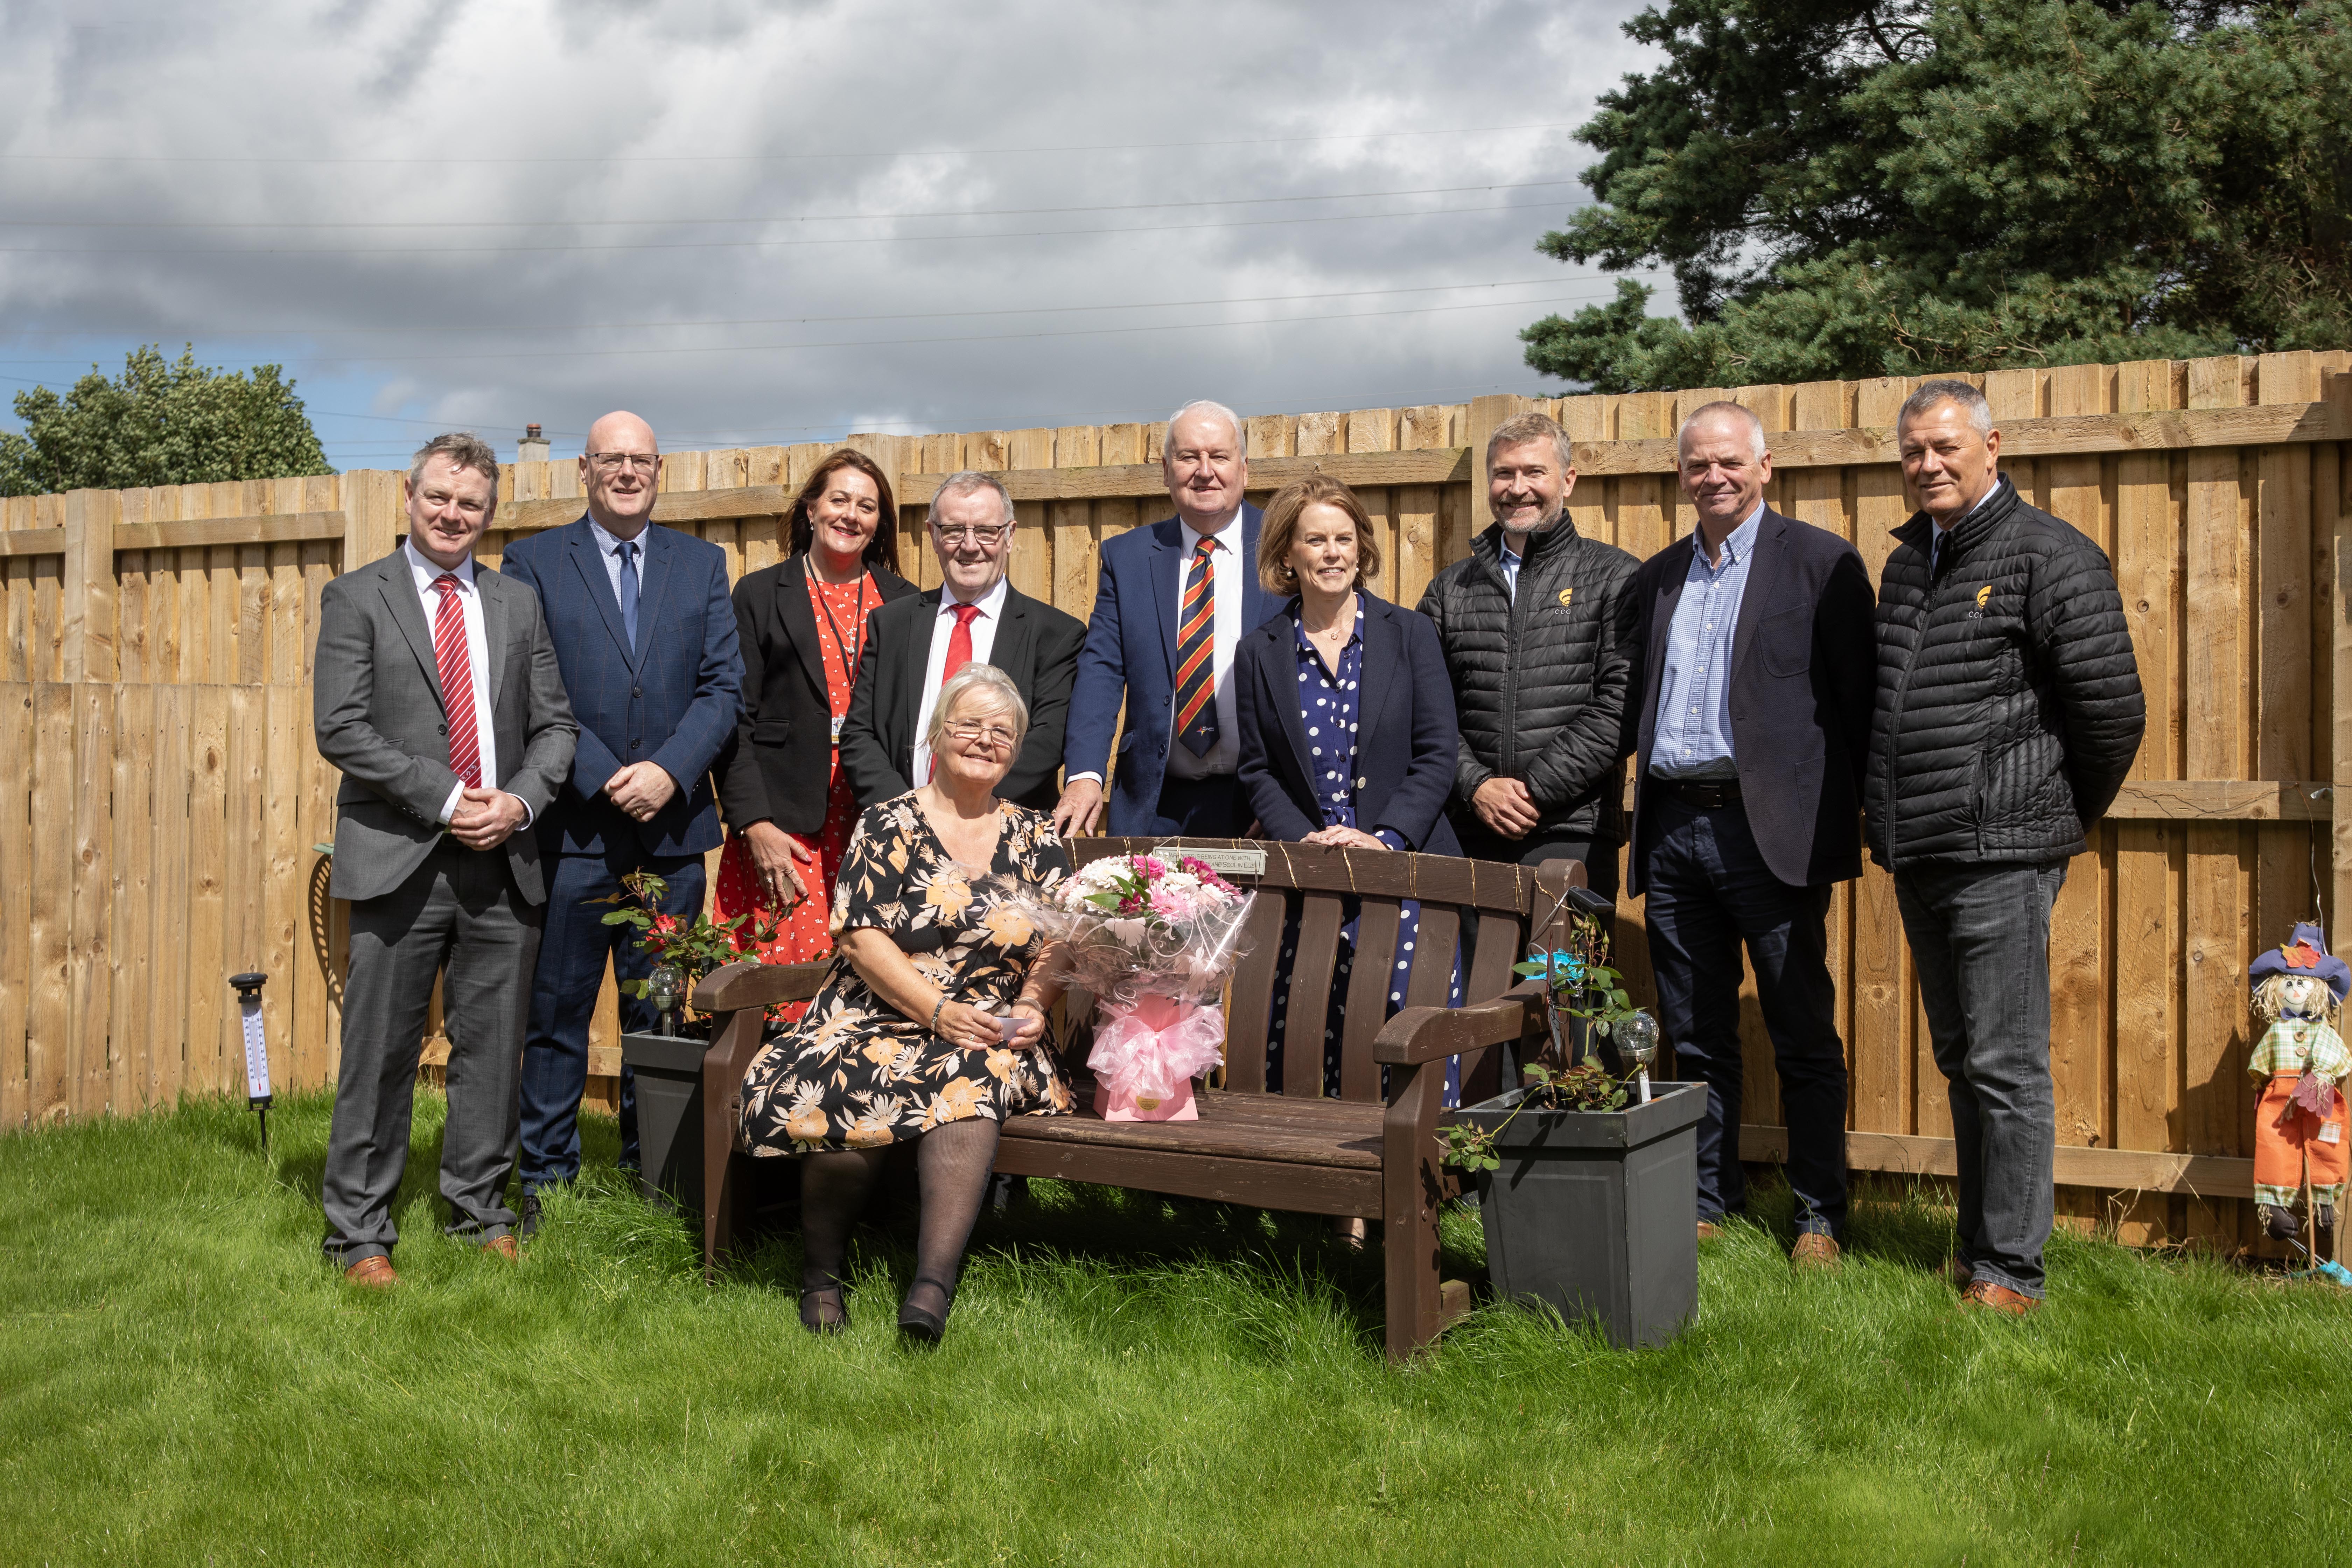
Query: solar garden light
(256, 1049)
(662, 987)
(1637, 1041)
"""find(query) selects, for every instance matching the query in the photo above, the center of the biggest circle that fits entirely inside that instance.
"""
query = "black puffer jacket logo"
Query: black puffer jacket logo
(2008, 703)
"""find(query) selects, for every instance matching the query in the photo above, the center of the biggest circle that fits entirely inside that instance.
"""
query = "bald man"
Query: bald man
(645, 634)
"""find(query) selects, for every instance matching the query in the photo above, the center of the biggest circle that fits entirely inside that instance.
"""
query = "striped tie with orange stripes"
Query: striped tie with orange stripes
(1196, 662)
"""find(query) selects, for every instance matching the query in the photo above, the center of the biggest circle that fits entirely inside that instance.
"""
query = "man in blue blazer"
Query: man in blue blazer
(1748, 718)
(1173, 603)
(645, 632)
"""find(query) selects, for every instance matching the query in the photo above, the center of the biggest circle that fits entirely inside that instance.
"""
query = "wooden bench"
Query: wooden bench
(1356, 1156)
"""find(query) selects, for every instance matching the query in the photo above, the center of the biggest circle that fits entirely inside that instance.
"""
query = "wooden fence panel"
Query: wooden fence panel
(158, 647)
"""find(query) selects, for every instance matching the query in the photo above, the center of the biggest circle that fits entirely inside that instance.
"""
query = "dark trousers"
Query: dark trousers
(1980, 936)
(564, 999)
(457, 912)
(1214, 807)
(1600, 856)
(1709, 894)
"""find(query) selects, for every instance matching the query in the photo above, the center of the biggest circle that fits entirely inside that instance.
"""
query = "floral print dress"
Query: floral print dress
(854, 1072)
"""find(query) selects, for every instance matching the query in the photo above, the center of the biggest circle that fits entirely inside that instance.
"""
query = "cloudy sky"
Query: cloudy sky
(758, 221)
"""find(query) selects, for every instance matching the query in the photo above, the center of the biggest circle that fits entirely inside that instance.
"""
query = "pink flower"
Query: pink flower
(1151, 866)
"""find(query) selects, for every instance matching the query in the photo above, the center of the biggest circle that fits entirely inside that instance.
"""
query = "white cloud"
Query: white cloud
(347, 154)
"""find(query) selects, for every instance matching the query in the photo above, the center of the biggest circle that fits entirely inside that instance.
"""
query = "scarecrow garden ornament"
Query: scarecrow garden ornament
(2300, 1141)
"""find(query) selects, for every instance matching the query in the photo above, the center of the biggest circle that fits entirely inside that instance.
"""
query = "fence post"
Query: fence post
(87, 621)
(373, 517)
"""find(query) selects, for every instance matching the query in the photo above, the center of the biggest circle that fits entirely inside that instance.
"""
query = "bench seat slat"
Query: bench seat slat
(1260, 1183)
(1231, 1126)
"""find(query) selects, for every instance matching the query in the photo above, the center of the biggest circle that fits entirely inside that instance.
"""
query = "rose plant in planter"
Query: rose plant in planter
(1588, 1182)
(668, 1062)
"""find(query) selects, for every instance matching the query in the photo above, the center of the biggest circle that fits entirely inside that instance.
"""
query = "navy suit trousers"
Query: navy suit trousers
(571, 956)
(1709, 893)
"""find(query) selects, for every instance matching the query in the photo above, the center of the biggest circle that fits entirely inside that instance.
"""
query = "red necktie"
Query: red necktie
(960, 641)
(456, 681)
(1196, 646)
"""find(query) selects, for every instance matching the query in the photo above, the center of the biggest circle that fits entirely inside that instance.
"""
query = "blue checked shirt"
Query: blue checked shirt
(1693, 727)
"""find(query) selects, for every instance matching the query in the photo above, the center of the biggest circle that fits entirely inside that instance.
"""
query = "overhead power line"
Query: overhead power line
(767, 157)
(185, 252)
(780, 218)
(472, 331)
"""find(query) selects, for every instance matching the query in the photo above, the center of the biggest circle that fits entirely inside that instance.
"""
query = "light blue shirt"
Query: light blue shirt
(1693, 727)
(1510, 564)
(608, 545)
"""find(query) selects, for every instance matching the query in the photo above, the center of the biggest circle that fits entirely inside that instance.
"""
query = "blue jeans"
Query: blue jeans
(564, 999)
(1708, 892)
(1980, 936)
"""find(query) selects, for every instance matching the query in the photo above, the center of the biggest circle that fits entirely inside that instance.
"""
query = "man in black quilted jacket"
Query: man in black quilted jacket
(2008, 711)
(1528, 624)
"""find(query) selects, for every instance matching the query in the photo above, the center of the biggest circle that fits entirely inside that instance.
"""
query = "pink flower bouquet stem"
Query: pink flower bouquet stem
(1146, 1054)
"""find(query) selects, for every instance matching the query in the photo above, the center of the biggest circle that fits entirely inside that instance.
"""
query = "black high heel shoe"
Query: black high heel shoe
(921, 1326)
(820, 1324)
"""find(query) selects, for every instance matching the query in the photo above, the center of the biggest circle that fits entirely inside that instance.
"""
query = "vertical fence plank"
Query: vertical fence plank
(208, 829)
(133, 870)
(93, 902)
(170, 931)
(1421, 544)
(16, 864)
(49, 1013)
(294, 1061)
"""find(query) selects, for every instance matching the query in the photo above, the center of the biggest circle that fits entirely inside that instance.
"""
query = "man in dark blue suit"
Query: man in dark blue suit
(1174, 601)
(1748, 716)
(645, 632)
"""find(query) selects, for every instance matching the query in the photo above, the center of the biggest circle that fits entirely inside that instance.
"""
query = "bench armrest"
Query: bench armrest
(750, 983)
(1419, 1034)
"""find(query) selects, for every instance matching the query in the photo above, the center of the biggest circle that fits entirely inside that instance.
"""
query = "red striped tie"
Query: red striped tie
(456, 681)
(1196, 660)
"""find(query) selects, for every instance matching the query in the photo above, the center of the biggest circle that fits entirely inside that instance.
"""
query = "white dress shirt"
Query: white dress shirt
(983, 644)
(608, 546)
(478, 654)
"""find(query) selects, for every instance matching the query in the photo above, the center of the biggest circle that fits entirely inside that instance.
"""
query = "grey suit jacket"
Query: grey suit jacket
(376, 705)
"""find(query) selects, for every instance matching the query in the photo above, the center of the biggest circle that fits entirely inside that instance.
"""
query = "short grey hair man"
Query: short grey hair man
(1219, 411)
(1725, 412)
(1935, 394)
(972, 481)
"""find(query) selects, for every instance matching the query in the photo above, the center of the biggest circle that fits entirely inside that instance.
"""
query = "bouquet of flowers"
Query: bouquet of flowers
(1155, 941)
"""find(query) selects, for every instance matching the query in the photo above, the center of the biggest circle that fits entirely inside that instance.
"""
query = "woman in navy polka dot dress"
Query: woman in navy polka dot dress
(1347, 731)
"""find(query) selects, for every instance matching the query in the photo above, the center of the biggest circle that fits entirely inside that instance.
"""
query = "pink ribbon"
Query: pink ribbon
(1146, 1050)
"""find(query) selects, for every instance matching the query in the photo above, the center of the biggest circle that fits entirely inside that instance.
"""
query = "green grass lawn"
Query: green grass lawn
(182, 1381)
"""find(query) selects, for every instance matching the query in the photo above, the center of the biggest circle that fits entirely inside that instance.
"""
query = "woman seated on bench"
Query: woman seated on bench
(929, 1026)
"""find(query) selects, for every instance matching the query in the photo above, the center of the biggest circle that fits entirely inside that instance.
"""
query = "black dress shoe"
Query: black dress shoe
(921, 1324)
(527, 1221)
(816, 1321)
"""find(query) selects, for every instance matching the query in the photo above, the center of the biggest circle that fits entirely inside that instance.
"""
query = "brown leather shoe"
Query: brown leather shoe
(1957, 1274)
(376, 1273)
(1814, 1252)
(1987, 1296)
(1710, 1231)
(504, 1246)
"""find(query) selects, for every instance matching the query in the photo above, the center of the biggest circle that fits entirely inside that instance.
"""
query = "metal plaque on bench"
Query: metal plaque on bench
(1224, 862)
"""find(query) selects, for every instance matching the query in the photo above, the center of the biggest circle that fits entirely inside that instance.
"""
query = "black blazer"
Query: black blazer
(1037, 646)
(780, 759)
(1803, 677)
(1405, 733)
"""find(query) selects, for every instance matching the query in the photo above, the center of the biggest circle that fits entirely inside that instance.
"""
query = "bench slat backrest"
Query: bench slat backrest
(1316, 885)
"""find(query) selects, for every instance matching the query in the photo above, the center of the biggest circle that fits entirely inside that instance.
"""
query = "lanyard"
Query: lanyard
(852, 654)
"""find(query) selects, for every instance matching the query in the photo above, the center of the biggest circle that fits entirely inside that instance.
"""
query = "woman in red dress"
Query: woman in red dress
(802, 624)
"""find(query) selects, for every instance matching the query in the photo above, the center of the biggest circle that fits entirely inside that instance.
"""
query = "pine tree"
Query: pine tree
(1846, 190)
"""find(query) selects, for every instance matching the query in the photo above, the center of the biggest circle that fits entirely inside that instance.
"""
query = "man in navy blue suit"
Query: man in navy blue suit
(645, 634)
(1174, 601)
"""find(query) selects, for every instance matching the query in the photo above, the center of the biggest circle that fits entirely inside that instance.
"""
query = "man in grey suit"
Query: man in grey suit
(436, 693)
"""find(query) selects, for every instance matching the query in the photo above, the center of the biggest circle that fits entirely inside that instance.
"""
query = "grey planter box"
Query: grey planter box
(1595, 1213)
(668, 1070)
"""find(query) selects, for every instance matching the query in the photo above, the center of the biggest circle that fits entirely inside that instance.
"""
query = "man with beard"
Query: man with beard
(1528, 622)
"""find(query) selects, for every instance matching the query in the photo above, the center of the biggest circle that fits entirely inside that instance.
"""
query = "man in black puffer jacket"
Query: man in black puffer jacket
(1528, 623)
(2008, 711)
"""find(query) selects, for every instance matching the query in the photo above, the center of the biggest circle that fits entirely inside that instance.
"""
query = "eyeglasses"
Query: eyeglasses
(994, 734)
(986, 538)
(636, 462)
